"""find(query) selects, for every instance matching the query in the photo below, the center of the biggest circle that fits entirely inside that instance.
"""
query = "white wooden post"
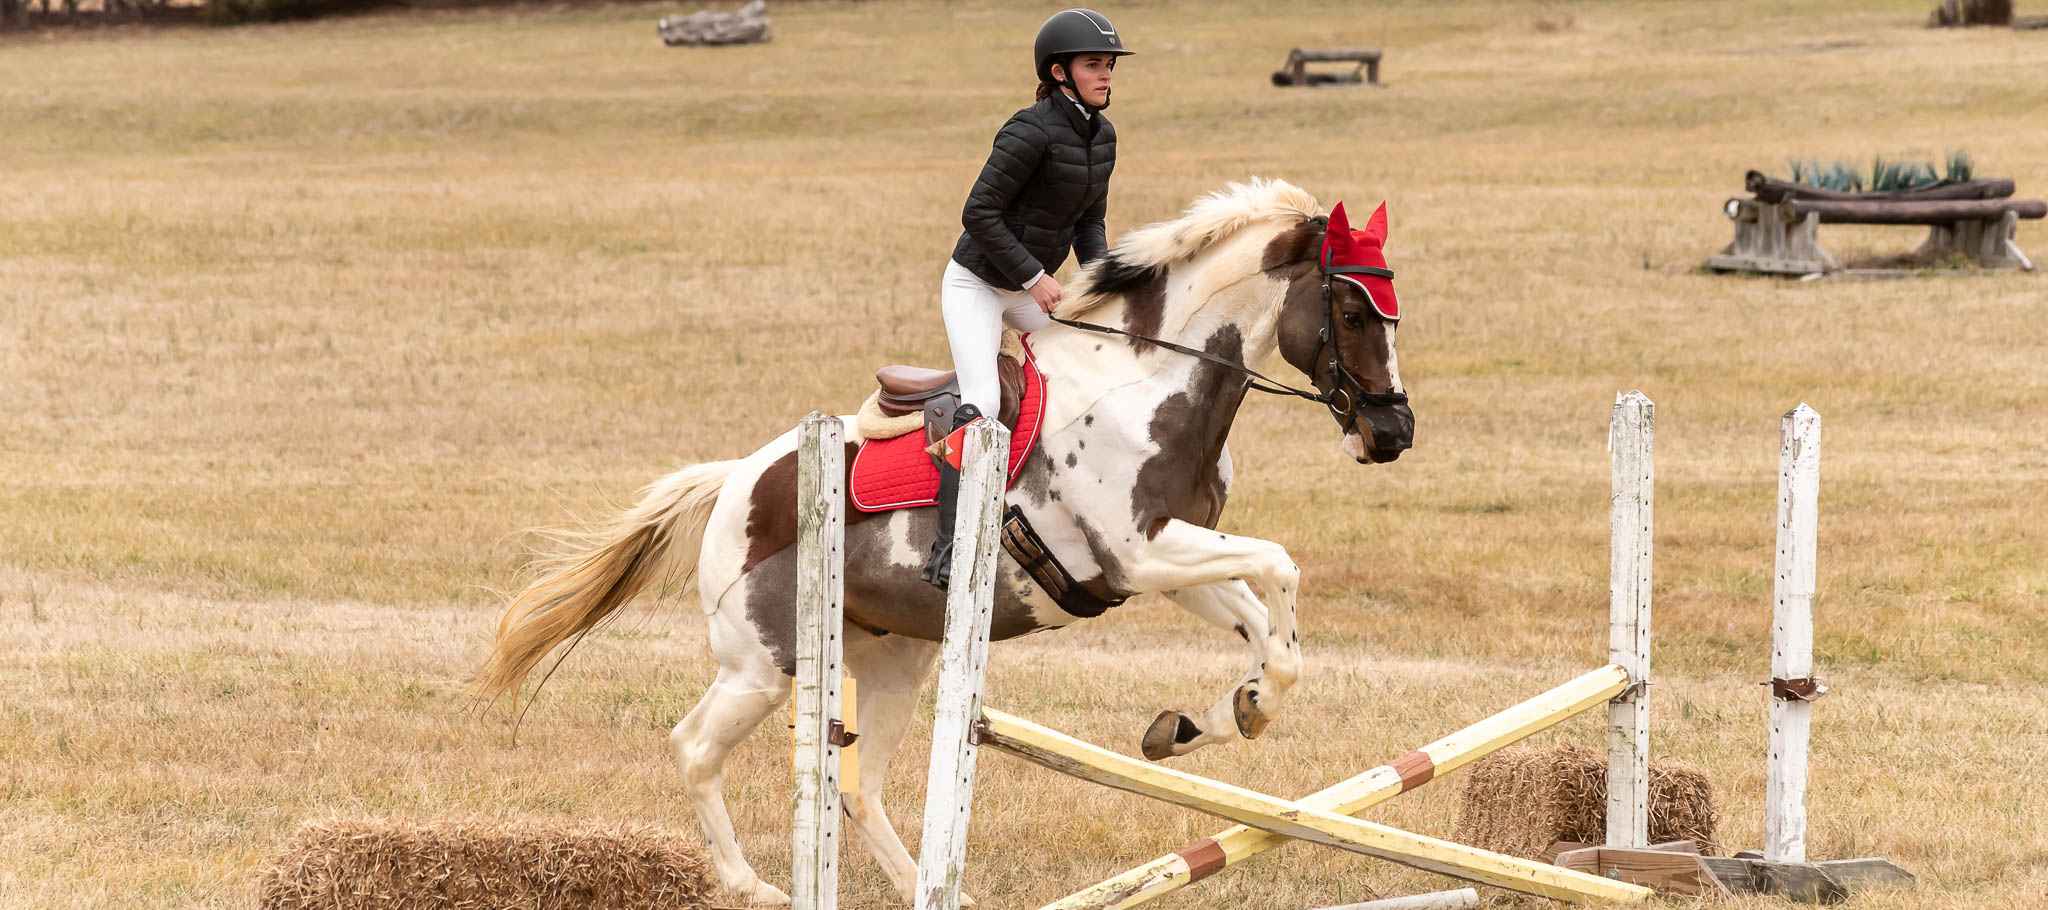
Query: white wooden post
(821, 535)
(949, 791)
(1792, 634)
(1632, 436)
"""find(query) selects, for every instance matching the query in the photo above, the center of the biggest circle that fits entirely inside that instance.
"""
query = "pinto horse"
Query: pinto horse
(1124, 486)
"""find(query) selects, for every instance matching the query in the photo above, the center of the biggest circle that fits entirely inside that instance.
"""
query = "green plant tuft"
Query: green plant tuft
(1885, 173)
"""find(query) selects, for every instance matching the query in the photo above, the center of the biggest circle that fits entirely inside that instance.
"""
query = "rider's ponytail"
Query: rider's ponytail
(1045, 89)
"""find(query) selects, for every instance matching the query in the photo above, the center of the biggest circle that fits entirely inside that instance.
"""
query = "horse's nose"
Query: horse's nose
(1393, 431)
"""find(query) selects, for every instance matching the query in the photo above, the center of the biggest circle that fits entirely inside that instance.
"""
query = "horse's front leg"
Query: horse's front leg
(1229, 606)
(1184, 555)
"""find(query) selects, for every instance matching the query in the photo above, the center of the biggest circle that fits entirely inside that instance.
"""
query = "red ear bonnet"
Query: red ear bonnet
(1345, 248)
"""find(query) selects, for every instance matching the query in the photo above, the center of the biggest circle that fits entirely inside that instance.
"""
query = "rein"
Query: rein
(1259, 381)
(1351, 398)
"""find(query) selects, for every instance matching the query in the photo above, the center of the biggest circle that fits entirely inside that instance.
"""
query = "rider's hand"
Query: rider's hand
(1048, 293)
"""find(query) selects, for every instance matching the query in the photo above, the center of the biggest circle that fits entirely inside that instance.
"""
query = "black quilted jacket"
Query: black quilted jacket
(1043, 192)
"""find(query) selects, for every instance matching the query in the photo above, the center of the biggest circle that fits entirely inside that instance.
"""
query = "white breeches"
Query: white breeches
(975, 315)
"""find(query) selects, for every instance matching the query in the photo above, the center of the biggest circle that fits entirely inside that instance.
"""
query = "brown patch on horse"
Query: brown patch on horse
(771, 515)
(1143, 288)
(1301, 325)
(1145, 309)
(1291, 246)
(1184, 479)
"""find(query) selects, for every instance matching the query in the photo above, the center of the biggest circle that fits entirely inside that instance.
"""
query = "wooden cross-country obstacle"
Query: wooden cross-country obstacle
(1295, 70)
(1777, 231)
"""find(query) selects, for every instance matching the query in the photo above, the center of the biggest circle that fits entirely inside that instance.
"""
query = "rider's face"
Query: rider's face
(1091, 75)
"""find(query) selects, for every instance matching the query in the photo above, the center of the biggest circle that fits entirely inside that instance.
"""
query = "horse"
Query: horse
(1125, 485)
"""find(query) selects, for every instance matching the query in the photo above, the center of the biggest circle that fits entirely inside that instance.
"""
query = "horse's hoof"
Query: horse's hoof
(1168, 730)
(1251, 721)
(965, 901)
(763, 894)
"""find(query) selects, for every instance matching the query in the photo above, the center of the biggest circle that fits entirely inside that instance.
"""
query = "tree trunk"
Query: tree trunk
(1771, 189)
(1835, 211)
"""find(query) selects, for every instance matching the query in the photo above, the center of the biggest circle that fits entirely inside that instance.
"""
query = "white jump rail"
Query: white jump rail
(1792, 684)
(821, 537)
(963, 661)
(1632, 435)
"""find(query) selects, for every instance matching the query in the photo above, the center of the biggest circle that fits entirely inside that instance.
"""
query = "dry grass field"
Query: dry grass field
(300, 325)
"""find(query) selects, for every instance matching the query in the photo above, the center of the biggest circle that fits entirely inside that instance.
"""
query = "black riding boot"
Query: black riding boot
(938, 567)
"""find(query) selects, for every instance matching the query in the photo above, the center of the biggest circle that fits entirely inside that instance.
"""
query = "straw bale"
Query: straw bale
(1521, 801)
(477, 864)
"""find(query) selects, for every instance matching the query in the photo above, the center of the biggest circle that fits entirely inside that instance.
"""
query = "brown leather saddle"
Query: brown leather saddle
(909, 389)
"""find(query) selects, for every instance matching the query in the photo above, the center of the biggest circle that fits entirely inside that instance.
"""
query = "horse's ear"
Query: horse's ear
(1291, 246)
(1376, 227)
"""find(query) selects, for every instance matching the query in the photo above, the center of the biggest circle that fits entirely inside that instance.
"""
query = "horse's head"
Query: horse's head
(1337, 325)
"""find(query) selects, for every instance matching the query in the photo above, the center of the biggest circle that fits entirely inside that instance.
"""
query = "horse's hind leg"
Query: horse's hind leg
(1230, 606)
(736, 703)
(889, 671)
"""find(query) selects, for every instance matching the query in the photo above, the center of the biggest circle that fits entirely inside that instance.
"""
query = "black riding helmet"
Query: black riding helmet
(1070, 32)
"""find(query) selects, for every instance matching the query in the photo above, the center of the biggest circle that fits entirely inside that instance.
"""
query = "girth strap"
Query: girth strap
(1023, 544)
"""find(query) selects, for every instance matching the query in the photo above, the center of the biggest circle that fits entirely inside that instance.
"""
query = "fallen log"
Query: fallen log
(1942, 212)
(1771, 189)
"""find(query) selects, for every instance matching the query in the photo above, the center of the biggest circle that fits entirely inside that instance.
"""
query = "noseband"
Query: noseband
(1346, 394)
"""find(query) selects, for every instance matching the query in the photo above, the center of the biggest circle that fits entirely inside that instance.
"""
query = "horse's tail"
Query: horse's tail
(602, 567)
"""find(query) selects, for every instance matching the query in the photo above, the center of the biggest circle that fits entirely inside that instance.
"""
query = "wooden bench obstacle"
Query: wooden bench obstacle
(1295, 70)
(1777, 230)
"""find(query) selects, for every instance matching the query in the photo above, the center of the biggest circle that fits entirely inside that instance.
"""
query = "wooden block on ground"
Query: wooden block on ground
(1551, 853)
(1670, 872)
(1817, 883)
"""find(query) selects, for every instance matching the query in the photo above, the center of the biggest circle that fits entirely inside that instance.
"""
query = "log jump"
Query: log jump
(1777, 230)
(1295, 71)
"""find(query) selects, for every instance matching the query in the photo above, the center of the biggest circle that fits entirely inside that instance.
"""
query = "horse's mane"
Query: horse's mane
(1142, 253)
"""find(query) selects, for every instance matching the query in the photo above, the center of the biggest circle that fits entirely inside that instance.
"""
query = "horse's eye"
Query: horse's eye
(1351, 319)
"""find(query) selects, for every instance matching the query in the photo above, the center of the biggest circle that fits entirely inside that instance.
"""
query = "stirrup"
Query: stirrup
(938, 564)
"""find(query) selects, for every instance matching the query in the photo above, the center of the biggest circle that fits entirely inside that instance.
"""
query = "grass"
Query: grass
(299, 324)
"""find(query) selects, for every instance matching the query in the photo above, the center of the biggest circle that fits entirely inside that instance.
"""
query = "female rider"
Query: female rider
(1042, 193)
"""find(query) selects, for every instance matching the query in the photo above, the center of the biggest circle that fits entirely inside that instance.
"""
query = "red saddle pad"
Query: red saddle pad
(898, 474)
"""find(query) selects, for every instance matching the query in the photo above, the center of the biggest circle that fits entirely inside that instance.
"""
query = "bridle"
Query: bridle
(1346, 393)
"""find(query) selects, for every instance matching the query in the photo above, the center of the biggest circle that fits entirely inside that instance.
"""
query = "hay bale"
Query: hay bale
(485, 865)
(1521, 801)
